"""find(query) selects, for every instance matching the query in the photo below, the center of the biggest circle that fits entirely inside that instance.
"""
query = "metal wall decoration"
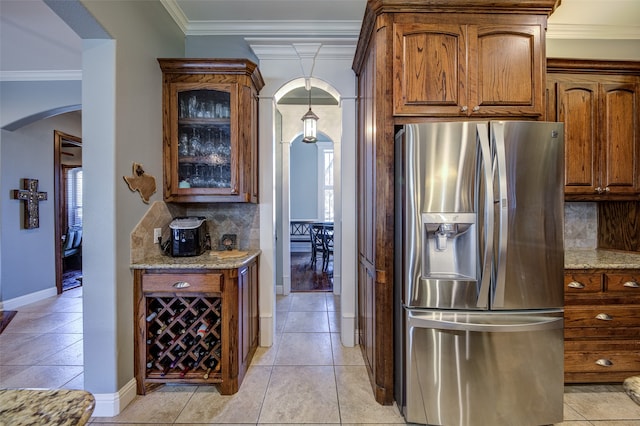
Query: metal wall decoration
(31, 198)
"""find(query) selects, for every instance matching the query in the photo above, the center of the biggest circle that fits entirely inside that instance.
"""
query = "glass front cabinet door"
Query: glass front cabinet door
(210, 130)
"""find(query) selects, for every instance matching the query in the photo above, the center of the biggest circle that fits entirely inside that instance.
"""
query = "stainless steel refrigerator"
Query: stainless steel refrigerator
(479, 265)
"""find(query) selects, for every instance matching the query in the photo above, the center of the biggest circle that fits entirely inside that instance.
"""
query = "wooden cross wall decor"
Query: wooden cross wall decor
(31, 198)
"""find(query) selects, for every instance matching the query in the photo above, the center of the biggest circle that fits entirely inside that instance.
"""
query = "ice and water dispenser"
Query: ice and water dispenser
(449, 246)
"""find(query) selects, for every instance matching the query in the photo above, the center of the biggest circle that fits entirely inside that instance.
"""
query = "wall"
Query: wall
(594, 49)
(23, 99)
(122, 123)
(303, 181)
(28, 153)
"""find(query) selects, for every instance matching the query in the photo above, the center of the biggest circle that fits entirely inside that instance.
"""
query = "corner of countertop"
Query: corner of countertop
(596, 258)
(207, 260)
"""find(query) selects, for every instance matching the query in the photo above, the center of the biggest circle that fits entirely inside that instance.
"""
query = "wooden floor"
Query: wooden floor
(308, 277)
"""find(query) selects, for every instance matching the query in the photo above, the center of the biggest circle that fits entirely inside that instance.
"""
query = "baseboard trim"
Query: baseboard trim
(13, 304)
(112, 404)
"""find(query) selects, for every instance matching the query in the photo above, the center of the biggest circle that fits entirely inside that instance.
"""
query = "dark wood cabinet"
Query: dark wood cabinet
(599, 103)
(602, 325)
(210, 130)
(435, 60)
(195, 326)
(471, 66)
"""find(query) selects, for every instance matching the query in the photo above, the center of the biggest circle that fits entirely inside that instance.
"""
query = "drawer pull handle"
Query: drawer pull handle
(604, 317)
(631, 284)
(181, 284)
(604, 362)
(575, 284)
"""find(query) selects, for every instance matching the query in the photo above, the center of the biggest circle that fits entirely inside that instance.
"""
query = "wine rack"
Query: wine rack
(195, 326)
(184, 338)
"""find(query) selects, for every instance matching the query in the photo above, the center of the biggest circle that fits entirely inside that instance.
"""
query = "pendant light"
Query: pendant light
(309, 121)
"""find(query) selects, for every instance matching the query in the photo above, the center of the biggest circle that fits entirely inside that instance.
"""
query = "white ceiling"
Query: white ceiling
(36, 44)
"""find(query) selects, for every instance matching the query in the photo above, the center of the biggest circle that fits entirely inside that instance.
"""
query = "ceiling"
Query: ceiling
(35, 44)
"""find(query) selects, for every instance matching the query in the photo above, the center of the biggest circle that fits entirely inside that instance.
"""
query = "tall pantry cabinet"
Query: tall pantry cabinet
(429, 61)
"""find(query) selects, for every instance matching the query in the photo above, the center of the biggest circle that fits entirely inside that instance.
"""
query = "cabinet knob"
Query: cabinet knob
(631, 284)
(476, 108)
(604, 362)
(599, 190)
(463, 108)
(604, 317)
(181, 284)
(575, 284)
(607, 189)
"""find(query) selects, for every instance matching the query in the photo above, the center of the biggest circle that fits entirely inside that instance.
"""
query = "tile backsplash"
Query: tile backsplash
(241, 219)
(580, 225)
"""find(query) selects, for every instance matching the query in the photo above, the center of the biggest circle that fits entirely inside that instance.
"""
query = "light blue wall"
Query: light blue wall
(21, 99)
(304, 181)
(28, 255)
(218, 47)
(122, 120)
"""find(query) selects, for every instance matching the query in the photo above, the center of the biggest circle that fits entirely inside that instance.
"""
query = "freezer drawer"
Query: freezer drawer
(484, 368)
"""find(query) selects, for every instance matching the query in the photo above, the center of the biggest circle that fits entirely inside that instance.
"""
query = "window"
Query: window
(325, 181)
(73, 177)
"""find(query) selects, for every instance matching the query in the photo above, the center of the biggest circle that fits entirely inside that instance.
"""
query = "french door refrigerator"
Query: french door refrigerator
(479, 265)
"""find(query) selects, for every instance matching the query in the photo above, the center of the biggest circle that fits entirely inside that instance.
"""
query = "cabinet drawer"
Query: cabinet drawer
(582, 283)
(182, 283)
(602, 356)
(602, 316)
(623, 282)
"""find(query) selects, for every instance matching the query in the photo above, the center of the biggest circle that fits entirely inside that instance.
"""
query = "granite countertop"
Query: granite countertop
(601, 259)
(21, 407)
(212, 259)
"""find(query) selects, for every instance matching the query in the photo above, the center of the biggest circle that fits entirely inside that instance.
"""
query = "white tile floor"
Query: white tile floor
(306, 377)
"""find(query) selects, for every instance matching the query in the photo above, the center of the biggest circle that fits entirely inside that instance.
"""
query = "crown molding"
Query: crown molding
(284, 48)
(52, 75)
(176, 14)
(275, 28)
(592, 32)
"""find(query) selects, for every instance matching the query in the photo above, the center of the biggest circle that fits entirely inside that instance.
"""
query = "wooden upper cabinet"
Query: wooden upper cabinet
(429, 68)
(578, 110)
(601, 112)
(468, 69)
(620, 130)
(510, 73)
(210, 130)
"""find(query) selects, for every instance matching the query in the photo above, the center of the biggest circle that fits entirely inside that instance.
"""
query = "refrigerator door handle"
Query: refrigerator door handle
(451, 322)
(497, 134)
(487, 258)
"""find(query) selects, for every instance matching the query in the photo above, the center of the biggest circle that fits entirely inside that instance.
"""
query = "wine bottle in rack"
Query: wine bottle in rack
(162, 328)
(208, 341)
(185, 370)
(152, 315)
(189, 318)
(165, 368)
(200, 353)
(150, 363)
(201, 331)
(213, 364)
(188, 341)
(175, 362)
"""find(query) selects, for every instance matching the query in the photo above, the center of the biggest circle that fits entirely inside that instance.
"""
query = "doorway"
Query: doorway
(67, 184)
(307, 186)
(311, 219)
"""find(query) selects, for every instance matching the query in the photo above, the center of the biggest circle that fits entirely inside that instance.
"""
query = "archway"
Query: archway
(329, 125)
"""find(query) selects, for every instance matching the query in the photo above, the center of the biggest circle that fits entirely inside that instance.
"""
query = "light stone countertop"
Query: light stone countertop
(601, 259)
(210, 259)
(21, 407)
